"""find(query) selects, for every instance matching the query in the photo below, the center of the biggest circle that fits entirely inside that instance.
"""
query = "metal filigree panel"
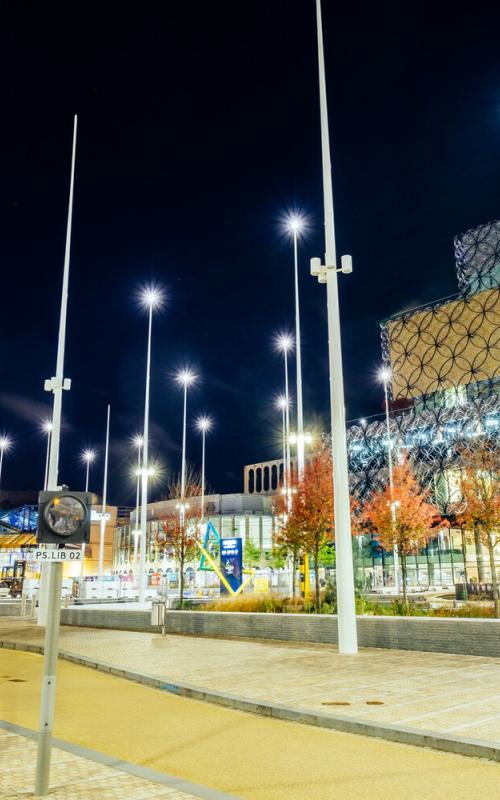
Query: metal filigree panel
(477, 255)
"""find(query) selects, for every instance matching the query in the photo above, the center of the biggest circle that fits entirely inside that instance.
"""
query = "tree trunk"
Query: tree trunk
(494, 581)
(464, 553)
(294, 570)
(403, 575)
(481, 573)
(181, 582)
(316, 578)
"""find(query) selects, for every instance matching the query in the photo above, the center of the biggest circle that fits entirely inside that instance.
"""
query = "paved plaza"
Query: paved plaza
(208, 751)
(446, 694)
(72, 777)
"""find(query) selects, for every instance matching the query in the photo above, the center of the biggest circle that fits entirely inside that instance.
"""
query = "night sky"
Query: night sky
(198, 130)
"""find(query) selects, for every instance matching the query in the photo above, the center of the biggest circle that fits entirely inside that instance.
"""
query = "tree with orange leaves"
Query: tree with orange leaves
(309, 525)
(178, 537)
(414, 515)
(479, 510)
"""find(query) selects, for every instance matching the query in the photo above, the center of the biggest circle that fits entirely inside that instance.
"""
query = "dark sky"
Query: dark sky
(198, 129)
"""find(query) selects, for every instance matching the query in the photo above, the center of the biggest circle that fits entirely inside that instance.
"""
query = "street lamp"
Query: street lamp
(385, 375)
(284, 343)
(47, 429)
(5, 444)
(282, 403)
(51, 580)
(88, 457)
(203, 424)
(327, 273)
(151, 299)
(295, 226)
(184, 378)
(138, 443)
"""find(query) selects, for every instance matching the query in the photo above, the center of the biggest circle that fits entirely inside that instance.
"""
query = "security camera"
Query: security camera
(315, 267)
(346, 265)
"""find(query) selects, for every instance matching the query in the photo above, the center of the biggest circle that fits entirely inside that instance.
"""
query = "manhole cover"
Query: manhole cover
(17, 680)
(336, 703)
(374, 702)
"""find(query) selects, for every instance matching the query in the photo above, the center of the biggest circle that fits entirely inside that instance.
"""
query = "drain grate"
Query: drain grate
(336, 703)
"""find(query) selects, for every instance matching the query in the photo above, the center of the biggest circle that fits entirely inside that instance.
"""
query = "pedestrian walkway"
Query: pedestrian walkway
(446, 694)
(73, 777)
(236, 756)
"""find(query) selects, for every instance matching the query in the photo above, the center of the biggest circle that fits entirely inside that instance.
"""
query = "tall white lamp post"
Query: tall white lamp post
(285, 344)
(151, 299)
(185, 378)
(104, 499)
(282, 404)
(295, 225)
(5, 444)
(327, 273)
(88, 457)
(47, 429)
(203, 424)
(138, 443)
(56, 385)
(385, 376)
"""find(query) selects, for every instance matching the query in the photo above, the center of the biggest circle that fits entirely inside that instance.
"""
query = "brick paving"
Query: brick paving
(446, 694)
(72, 777)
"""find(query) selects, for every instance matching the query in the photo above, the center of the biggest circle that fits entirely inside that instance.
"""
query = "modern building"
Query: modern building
(245, 516)
(444, 363)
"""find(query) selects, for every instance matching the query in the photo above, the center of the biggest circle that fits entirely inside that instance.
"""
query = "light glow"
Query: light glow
(284, 342)
(88, 456)
(47, 427)
(385, 374)
(282, 402)
(151, 297)
(138, 441)
(204, 424)
(185, 377)
(5, 443)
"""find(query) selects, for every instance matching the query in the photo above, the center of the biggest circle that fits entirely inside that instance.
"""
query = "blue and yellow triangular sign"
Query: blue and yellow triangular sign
(211, 535)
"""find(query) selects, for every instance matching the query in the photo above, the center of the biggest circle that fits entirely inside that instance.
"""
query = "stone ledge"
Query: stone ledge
(478, 637)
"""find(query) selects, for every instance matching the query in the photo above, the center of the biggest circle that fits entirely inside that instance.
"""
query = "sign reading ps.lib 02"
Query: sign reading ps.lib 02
(48, 556)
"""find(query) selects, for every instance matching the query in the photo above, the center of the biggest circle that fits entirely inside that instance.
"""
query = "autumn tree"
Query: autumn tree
(479, 509)
(309, 525)
(181, 532)
(409, 530)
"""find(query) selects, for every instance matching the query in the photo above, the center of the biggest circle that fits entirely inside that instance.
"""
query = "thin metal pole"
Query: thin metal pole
(347, 633)
(183, 464)
(298, 357)
(46, 479)
(285, 482)
(104, 499)
(145, 456)
(287, 437)
(54, 571)
(137, 499)
(1, 464)
(395, 553)
(203, 475)
(86, 489)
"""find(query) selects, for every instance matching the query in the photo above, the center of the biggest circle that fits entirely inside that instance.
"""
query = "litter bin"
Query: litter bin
(158, 609)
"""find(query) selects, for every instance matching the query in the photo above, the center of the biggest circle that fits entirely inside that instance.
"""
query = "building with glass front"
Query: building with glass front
(444, 388)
